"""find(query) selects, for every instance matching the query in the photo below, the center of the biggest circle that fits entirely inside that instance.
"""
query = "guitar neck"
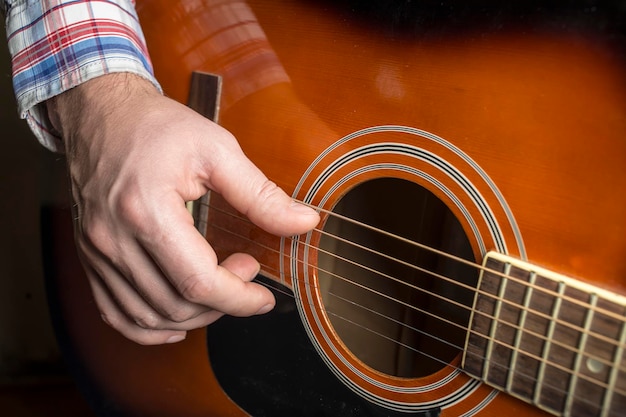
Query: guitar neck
(548, 339)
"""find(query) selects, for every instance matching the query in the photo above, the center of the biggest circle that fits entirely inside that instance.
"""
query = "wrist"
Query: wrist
(84, 106)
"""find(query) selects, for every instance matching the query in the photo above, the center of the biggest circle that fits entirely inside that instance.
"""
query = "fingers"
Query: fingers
(125, 306)
(112, 314)
(126, 309)
(190, 264)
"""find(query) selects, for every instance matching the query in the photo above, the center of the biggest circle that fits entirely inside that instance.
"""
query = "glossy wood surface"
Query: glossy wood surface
(541, 111)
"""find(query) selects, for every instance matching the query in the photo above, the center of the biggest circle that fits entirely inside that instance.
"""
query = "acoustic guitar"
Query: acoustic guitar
(468, 162)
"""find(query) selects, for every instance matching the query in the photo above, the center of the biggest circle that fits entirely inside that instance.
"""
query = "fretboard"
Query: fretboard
(548, 339)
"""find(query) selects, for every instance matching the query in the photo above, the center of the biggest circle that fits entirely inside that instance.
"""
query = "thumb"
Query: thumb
(250, 192)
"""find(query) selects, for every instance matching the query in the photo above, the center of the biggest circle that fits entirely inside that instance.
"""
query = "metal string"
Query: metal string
(450, 280)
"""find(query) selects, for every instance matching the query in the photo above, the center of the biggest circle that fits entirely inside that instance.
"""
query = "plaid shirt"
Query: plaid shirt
(58, 44)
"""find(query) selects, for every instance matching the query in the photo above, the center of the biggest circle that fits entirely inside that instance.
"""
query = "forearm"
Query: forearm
(57, 45)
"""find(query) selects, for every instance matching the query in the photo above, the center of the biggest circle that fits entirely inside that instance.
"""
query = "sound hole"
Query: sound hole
(397, 307)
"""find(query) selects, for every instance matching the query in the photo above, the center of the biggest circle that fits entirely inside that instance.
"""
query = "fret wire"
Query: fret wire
(579, 357)
(546, 346)
(519, 333)
(479, 267)
(494, 323)
(615, 369)
(514, 325)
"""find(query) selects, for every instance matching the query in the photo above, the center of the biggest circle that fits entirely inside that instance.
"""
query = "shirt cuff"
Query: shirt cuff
(57, 45)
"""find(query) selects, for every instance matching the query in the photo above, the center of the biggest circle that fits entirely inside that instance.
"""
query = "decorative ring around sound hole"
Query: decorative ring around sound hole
(357, 169)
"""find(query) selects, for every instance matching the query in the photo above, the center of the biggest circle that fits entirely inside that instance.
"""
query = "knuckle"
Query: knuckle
(180, 315)
(195, 289)
(148, 321)
(141, 335)
(97, 235)
(130, 209)
(268, 190)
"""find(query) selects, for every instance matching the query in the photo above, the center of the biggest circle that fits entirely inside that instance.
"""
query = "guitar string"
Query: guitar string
(535, 357)
(535, 287)
(452, 257)
(492, 364)
(464, 328)
(513, 325)
(516, 326)
(520, 373)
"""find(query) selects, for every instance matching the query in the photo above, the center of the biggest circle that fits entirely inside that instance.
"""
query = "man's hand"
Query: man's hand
(135, 157)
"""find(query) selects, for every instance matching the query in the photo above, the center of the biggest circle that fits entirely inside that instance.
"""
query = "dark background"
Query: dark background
(33, 381)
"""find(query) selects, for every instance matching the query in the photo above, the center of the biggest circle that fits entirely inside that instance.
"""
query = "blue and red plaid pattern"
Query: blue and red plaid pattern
(58, 44)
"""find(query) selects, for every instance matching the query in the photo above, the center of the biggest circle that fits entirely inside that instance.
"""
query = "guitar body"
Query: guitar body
(514, 127)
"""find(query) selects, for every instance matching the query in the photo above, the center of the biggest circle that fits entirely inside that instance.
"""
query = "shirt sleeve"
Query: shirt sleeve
(58, 44)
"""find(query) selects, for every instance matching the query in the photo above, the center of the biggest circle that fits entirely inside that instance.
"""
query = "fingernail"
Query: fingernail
(175, 339)
(265, 309)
